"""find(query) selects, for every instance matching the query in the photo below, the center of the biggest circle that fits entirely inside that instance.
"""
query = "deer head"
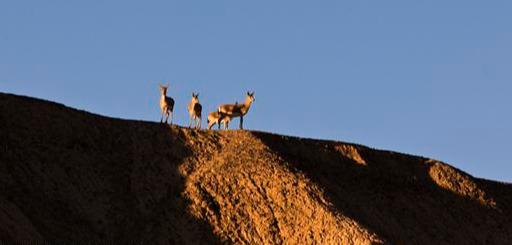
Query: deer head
(195, 97)
(250, 97)
(163, 88)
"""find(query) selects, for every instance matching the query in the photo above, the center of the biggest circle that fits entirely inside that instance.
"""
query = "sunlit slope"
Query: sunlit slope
(68, 175)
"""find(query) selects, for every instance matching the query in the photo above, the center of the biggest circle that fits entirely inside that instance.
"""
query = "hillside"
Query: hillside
(68, 175)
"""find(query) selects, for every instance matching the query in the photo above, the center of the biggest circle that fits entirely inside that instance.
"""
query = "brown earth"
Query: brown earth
(68, 175)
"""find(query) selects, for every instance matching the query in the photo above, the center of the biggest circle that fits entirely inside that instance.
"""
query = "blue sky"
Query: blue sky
(429, 78)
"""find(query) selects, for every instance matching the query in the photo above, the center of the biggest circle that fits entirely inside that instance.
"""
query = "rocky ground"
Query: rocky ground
(68, 175)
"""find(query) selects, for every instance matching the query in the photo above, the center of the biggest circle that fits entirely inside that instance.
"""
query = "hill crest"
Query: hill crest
(69, 175)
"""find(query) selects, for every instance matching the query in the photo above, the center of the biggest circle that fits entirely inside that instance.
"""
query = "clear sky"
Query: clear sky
(430, 78)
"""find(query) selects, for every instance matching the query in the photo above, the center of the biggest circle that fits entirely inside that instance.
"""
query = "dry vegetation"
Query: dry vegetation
(67, 175)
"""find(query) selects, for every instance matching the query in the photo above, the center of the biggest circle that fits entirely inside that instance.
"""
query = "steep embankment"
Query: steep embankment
(67, 175)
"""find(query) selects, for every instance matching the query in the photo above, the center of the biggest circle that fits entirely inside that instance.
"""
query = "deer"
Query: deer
(166, 104)
(237, 110)
(194, 109)
(215, 118)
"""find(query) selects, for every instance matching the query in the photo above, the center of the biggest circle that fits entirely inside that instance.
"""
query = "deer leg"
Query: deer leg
(241, 122)
(199, 123)
(161, 117)
(164, 113)
(170, 115)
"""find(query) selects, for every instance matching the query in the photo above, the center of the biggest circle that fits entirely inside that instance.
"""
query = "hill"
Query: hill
(68, 175)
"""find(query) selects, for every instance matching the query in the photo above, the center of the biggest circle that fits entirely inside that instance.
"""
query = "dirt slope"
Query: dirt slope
(68, 175)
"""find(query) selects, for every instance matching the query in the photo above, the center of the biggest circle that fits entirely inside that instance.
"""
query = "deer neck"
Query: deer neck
(246, 106)
(192, 104)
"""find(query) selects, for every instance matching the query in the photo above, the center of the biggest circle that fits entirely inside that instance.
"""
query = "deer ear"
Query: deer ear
(197, 95)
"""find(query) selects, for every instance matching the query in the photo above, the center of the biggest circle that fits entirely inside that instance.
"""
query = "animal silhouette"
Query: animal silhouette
(237, 110)
(194, 109)
(166, 104)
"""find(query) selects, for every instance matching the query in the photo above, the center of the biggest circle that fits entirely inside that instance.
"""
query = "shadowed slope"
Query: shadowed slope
(402, 198)
(67, 175)
(70, 175)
